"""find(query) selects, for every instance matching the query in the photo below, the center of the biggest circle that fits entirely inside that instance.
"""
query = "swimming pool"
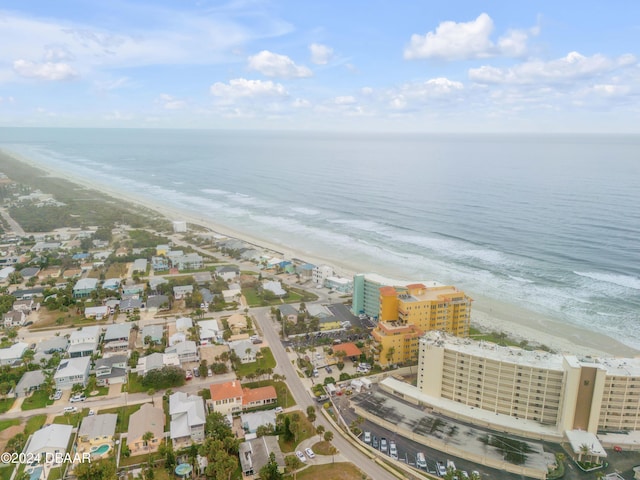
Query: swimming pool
(100, 450)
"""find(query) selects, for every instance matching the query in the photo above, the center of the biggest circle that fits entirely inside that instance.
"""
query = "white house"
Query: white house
(13, 354)
(209, 331)
(187, 351)
(96, 312)
(187, 419)
(181, 291)
(320, 274)
(72, 371)
(116, 338)
(84, 342)
(14, 318)
(227, 273)
(245, 350)
(274, 287)
(232, 295)
(156, 361)
(48, 442)
(183, 324)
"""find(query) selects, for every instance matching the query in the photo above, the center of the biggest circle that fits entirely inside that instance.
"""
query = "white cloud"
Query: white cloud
(169, 102)
(366, 90)
(44, 71)
(276, 65)
(344, 100)
(243, 88)
(467, 40)
(320, 54)
(415, 93)
(567, 69)
(301, 103)
(609, 90)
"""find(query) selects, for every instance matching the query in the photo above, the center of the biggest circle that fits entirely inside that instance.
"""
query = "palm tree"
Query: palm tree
(390, 353)
(146, 438)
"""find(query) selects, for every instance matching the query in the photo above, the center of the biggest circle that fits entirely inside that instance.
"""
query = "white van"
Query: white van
(421, 461)
(70, 410)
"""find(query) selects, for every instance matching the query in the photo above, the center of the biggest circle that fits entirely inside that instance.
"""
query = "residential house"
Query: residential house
(288, 313)
(190, 261)
(187, 351)
(29, 382)
(258, 397)
(183, 324)
(155, 282)
(156, 361)
(29, 272)
(342, 285)
(274, 287)
(209, 331)
(176, 338)
(97, 312)
(97, 430)
(45, 246)
(84, 342)
(111, 370)
(27, 293)
(232, 295)
(159, 264)
(251, 421)
(305, 271)
(139, 265)
(255, 454)
(130, 305)
(162, 249)
(53, 344)
(250, 254)
(72, 371)
(187, 419)
(133, 289)
(48, 442)
(207, 296)
(71, 273)
(181, 291)
(320, 274)
(5, 273)
(14, 318)
(84, 287)
(230, 398)
(27, 306)
(152, 334)
(245, 350)
(116, 338)
(13, 354)
(228, 272)
(157, 303)
(202, 278)
(147, 419)
(226, 397)
(237, 322)
(111, 284)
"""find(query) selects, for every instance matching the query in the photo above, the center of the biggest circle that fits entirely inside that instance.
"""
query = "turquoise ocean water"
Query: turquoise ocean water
(548, 222)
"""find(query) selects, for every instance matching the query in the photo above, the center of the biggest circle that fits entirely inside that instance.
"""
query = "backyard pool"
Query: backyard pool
(100, 450)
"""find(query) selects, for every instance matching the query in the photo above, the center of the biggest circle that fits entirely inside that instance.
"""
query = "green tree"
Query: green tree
(328, 436)
(270, 470)
(100, 470)
(146, 438)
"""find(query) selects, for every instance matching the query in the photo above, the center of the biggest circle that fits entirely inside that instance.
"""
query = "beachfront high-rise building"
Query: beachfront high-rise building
(565, 392)
(366, 292)
(406, 312)
(179, 226)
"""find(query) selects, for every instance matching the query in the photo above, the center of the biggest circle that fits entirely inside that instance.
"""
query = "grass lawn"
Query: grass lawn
(39, 399)
(123, 416)
(285, 399)
(101, 392)
(322, 448)
(251, 296)
(34, 423)
(305, 431)
(6, 471)
(267, 361)
(305, 295)
(4, 424)
(134, 385)
(6, 404)
(334, 471)
(71, 418)
(55, 474)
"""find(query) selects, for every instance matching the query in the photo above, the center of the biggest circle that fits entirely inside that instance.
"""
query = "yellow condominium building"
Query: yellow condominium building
(406, 311)
(564, 391)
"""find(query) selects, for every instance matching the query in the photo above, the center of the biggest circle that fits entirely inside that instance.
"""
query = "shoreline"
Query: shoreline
(487, 314)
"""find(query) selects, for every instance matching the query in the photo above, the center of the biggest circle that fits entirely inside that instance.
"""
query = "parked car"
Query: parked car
(91, 413)
(421, 461)
(309, 453)
(328, 369)
(188, 375)
(374, 442)
(78, 398)
(384, 448)
(196, 372)
(209, 372)
(279, 410)
(367, 437)
(301, 456)
(70, 410)
(393, 450)
(57, 395)
(442, 470)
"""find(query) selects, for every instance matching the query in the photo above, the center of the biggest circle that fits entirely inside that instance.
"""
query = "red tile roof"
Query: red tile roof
(250, 395)
(223, 391)
(349, 349)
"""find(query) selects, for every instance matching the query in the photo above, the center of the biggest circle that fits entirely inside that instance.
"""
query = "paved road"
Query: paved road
(304, 399)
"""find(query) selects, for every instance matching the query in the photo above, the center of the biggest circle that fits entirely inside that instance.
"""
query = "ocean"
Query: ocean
(547, 222)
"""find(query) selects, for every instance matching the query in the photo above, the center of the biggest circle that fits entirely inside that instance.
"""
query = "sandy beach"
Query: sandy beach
(490, 315)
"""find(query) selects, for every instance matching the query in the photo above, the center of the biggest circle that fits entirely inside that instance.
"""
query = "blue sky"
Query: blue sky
(377, 65)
